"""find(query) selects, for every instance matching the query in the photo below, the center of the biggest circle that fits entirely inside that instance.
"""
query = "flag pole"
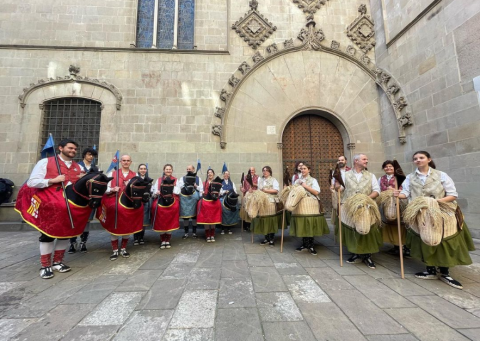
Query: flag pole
(63, 185)
(116, 193)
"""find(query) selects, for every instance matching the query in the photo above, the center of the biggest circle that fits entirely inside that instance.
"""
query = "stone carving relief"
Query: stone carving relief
(311, 38)
(361, 31)
(244, 68)
(254, 28)
(309, 6)
(72, 77)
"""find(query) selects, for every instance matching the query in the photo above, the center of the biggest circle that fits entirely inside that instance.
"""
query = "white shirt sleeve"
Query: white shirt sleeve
(234, 188)
(276, 186)
(406, 186)
(37, 178)
(154, 188)
(448, 185)
(176, 189)
(375, 185)
(200, 185)
(315, 185)
(109, 185)
(179, 185)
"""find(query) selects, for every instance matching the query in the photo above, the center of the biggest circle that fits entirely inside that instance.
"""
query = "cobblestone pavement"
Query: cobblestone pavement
(228, 290)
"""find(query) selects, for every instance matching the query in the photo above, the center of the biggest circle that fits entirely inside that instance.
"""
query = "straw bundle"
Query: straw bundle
(362, 211)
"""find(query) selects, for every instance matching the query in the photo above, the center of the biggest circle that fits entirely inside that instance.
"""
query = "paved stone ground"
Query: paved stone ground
(230, 290)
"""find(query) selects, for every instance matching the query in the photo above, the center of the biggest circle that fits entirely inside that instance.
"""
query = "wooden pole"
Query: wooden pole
(340, 227)
(402, 272)
(283, 229)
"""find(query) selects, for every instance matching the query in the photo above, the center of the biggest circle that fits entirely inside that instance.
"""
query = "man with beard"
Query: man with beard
(45, 174)
(342, 164)
(188, 203)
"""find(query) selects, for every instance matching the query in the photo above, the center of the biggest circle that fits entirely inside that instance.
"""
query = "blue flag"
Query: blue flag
(146, 174)
(199, 165)
(114, 163)
(49, 147)
(224, 169)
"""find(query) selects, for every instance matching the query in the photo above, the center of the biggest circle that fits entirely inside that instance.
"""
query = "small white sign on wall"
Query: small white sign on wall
(271, 130)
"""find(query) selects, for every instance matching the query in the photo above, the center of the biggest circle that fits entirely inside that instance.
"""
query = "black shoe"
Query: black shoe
(135, 242)
(141, 241)
(83, 247)
(353, 259)
(271, 243)
(124, 253)
(265, 242)
(450, 281)
(194, 235)
(406, 252)
(369, 262)
(426, 275)
(313, 251)
(60, 267)
(46, 272)
(394, 251)
(185, 236)
(71, 249)
(114, 255)
(167, 245)
(301, 248)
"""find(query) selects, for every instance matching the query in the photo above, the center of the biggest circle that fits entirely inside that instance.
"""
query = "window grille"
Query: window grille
(74, 118)
(166, 24)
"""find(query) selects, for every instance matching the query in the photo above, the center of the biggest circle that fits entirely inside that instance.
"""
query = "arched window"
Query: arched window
(166, 24)
(74, 118)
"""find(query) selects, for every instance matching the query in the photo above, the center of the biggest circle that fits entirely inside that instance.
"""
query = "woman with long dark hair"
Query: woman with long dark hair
(452, 249)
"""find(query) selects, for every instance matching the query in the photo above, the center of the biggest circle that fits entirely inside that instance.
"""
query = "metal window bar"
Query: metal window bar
(74, 118)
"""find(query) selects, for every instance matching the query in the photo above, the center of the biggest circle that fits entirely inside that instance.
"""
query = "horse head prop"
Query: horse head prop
(214, 189)
(431, 219)
(295, 195)
(388, 203)
(300, 203)
(136, 192)
(188, 187)
(166, 191)
(89, 189)
(362, 212)
(231, 201)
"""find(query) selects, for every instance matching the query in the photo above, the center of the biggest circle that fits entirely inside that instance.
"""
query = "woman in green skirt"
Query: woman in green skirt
(311, 224)
(268, 225)
(453, 250)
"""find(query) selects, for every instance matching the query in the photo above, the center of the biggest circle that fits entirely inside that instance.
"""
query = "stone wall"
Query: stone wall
(435, 63)
(169, 97)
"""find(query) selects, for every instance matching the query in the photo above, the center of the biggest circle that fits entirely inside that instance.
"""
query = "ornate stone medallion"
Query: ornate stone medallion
(309, 6)
(362, 31)
(254, 28)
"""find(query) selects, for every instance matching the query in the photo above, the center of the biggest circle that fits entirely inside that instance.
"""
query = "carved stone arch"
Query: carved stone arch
(312, 39)
(33, 98)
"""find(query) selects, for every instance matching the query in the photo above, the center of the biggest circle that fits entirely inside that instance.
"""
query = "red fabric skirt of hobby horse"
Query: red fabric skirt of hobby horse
(129, 220)
(45, 210)
(209, 212)
(168, 217)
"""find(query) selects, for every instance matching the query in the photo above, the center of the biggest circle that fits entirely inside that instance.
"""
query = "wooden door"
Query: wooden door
(315, 140)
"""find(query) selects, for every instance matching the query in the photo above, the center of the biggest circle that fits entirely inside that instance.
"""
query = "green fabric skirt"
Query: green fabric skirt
(390, 233)
(308, 226)
(359, 243)
(268, 224)
(288, 218)
(450, 252)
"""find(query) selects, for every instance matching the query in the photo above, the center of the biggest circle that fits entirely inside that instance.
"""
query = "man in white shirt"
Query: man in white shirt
(359, 180)
(44, 175)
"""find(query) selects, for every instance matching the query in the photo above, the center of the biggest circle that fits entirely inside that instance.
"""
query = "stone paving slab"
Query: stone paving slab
(228, 290)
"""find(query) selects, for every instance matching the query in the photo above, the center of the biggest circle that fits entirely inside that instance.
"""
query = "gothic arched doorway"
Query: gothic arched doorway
(317, 141)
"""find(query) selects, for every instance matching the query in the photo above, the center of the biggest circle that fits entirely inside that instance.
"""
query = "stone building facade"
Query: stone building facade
(391, 77)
